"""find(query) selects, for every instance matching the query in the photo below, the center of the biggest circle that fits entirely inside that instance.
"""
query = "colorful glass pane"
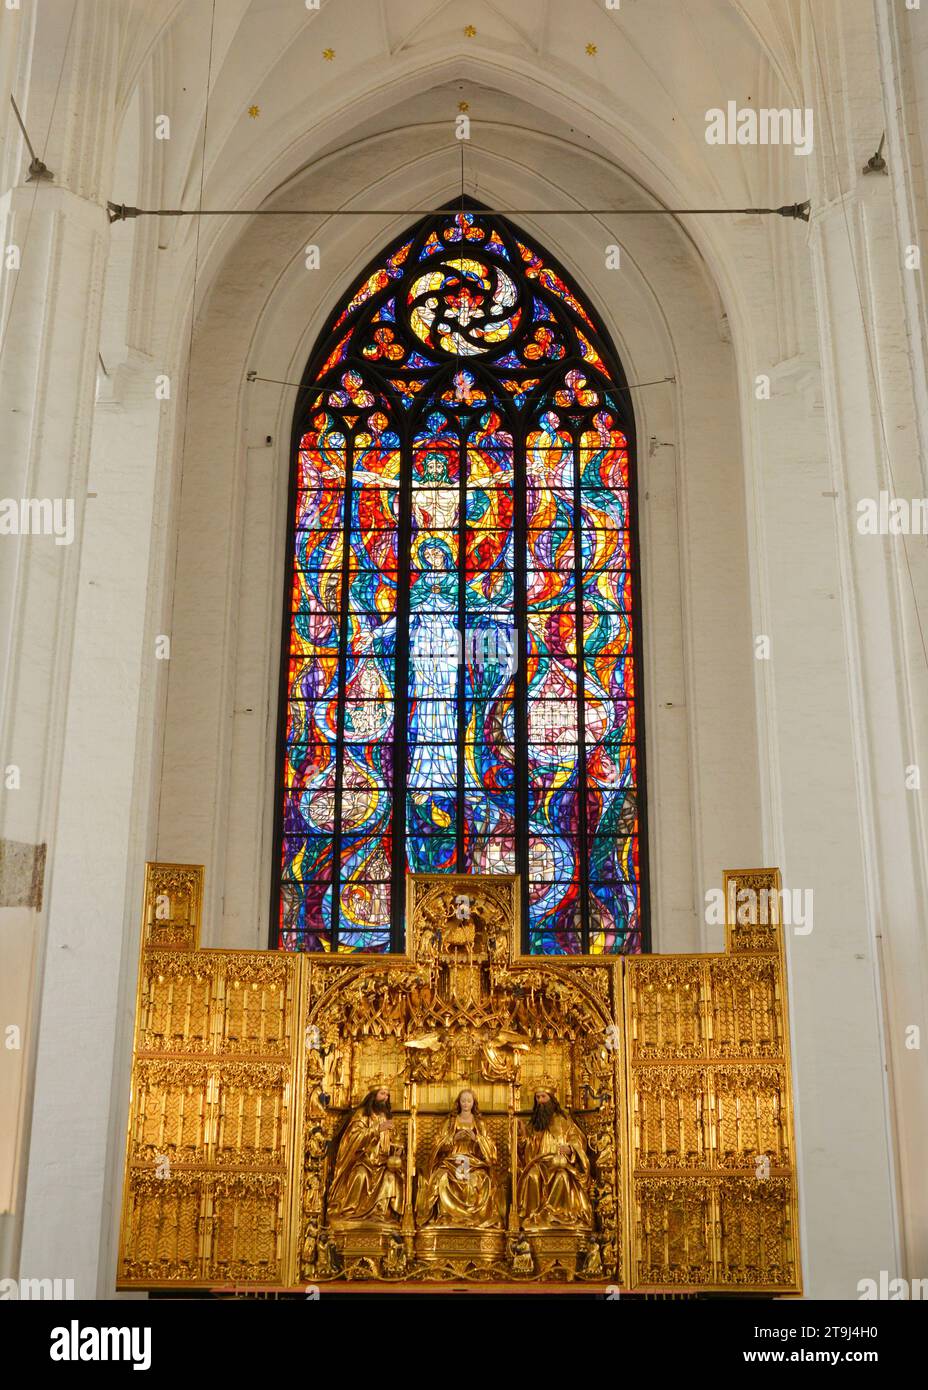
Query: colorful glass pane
(460, 684)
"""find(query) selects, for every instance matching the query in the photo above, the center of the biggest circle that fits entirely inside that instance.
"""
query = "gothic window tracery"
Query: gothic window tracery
(461, 644)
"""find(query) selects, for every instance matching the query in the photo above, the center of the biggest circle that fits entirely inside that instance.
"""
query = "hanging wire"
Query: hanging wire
(614, 387)
(193, 316)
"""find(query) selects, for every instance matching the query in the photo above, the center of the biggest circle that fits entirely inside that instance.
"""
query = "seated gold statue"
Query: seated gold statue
(367, 1183)
(459, 1184)
(554, 1169)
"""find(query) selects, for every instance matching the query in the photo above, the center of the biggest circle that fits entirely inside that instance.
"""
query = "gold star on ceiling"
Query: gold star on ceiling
(463, 106)
(328, 54)
(254, 112)
(470, 31)
(591, 50)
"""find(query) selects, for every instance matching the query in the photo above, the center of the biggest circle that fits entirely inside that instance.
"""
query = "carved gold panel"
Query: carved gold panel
(176, 1003)
(256, 1005)
(252, 1115)
(710, 1118)
(247, 1228)
(752, 909)
(750, 1107)
(671, 1117)
(161, 1229)
(757, 1237)
(666, 1007)
(173, 902)
(210, 1138)
(170, 1112)
(197, 1228)
(715, 1234)
(673, 1232)
(746, 1006)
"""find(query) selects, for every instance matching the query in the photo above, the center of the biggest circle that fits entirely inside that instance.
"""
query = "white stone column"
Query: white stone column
(47, 380)
(855, 244)
(76, 1156)
(871, 409)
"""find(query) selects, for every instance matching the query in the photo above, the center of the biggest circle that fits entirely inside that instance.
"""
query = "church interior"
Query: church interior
(463, 594)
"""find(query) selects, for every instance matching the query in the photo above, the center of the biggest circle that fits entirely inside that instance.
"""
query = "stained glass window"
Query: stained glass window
(460, 685)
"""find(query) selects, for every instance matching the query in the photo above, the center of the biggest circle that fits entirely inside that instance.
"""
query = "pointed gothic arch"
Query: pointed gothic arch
(460, 671)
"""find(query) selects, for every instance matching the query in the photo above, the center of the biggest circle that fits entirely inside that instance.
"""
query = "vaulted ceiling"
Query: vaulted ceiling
(288, 84)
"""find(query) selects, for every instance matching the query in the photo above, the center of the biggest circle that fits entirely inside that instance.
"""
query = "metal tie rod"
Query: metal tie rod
(122, 212)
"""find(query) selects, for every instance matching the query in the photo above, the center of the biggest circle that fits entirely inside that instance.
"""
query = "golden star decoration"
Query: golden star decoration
(328, 54)
(470, 31)
(254, 112)
(591, 50)
(463, 106)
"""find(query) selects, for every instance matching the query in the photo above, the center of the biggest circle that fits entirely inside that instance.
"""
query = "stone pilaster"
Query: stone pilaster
(52, 298)
(872, 396)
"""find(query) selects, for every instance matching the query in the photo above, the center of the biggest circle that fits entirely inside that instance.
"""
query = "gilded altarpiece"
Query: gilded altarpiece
(671, 1077)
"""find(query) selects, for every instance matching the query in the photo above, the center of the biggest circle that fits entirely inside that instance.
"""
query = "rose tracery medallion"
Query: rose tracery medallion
(464, 307)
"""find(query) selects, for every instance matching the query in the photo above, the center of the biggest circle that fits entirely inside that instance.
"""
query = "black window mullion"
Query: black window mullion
(401, 695)
(462, 640)
(583, 884)
(520, 653)
(342, 683)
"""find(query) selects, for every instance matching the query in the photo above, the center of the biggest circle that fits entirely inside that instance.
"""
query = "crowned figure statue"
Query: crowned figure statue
(367, 1181)
(459, 1185)
(554, 1167)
